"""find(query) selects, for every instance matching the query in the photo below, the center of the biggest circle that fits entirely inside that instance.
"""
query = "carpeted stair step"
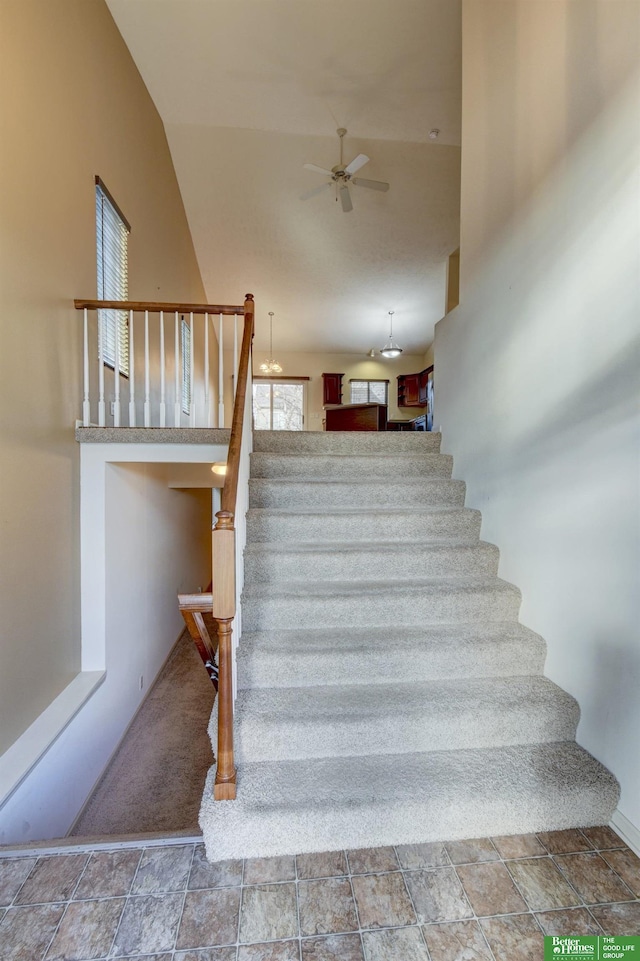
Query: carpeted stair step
(415, 602)
(359, 802)
(364, 493)
(281, 563)
(345, 442)
(446, 715)
(386, 692)
(336, 466)
(297, 658)
(339, 524)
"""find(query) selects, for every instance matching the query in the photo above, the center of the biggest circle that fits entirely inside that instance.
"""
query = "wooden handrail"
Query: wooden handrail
(224, 572)
(193, 607)
(155, 307)
(230, 489)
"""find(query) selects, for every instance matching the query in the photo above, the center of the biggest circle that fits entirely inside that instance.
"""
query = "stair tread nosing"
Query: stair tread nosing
(345, 442)
(366, 546)
(444, 697)
(450, 714)
(291, 658)
(287, 807)
(467, 583)
(381, 464)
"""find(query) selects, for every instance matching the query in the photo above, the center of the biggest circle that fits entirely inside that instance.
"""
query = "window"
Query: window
(278, 405)
(112, 238)
(185, 338)
(369, 391)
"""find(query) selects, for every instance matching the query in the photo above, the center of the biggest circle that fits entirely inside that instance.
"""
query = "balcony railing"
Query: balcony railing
(175, 370)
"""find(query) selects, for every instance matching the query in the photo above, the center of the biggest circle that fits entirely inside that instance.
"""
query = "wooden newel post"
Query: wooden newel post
(225, 784)
(224, 604)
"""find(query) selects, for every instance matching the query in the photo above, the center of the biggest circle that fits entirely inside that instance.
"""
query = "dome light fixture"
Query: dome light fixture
(391, 349)
(271, 366)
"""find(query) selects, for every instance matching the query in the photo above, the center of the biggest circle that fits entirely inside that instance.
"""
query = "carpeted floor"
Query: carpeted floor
(155, 781)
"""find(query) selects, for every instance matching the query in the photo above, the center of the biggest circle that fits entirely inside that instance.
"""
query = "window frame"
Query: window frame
(186, 391)
(112, 279)
(273, 382)
(368, 382)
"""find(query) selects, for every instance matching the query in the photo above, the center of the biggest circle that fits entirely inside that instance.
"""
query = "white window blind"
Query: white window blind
(369, 391)
(112, 238)
(185, 338)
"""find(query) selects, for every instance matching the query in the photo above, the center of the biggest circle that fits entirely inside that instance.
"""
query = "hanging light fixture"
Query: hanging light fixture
(390, 349)
(271, 366)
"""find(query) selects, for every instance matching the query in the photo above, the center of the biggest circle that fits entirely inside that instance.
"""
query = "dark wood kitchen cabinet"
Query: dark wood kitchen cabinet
(332, 388)
(413, 388)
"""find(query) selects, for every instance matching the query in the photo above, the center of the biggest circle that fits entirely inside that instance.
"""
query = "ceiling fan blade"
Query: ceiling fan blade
(318, 170)
(345, 197)
(356, 163)
(314, 190)
(373, 184)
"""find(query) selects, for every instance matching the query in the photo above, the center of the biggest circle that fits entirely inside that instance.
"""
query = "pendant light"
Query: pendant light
(271, 366)
(390, 349)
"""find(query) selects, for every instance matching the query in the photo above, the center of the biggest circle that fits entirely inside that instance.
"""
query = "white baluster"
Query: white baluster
(220, 376)
(116, 382)
(132, 375)
(147, 400)
(163, 406)
(192, 393)
(101, 420)
(207, 403)
(86, 406)
(235, 355)
(177, 405)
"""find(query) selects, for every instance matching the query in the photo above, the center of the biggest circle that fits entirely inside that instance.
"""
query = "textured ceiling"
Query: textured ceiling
(249, 91)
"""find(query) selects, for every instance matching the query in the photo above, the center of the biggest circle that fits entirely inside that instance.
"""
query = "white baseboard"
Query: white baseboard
(629, 833)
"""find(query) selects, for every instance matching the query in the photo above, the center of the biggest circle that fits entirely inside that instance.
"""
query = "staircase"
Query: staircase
(386, 692)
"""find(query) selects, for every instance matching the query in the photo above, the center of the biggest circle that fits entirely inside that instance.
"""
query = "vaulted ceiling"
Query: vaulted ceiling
(250, 90)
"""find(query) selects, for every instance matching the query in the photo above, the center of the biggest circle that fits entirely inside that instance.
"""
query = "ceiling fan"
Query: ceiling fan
(342, 176)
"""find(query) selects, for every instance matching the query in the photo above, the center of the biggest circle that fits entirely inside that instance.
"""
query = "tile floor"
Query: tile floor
(489, 899)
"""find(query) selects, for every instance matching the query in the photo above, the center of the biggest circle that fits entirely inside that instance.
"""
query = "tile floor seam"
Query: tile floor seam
(594, 903)
(355, 903)
(521, 890)
(135, 873)
(184, 899)
(409, 895)
(244, 861)
(476, 916)
(127, 898)
(588, 840)
(296, 879)
(619, 876)
(53, 936)
(13, 904)
(582, 902)
(592, 915)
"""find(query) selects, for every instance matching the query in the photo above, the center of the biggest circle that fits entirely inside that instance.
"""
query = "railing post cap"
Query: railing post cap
(225, 521)
(248, 296)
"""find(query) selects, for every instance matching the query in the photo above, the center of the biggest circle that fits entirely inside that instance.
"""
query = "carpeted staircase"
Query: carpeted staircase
(387, 693)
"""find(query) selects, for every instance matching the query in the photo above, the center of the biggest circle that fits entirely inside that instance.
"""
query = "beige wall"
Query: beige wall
(73, 106)
(355, 366)
(543, 428)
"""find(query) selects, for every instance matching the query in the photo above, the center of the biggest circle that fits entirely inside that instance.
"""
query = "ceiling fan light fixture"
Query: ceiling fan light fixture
(342, 175)
(271, 367)
(390, 349)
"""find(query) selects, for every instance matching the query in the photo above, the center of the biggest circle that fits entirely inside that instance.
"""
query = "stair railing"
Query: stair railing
(165, 356)
(228, 540)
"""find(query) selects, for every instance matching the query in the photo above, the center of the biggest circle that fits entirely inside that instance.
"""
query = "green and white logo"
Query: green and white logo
(592, 948)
